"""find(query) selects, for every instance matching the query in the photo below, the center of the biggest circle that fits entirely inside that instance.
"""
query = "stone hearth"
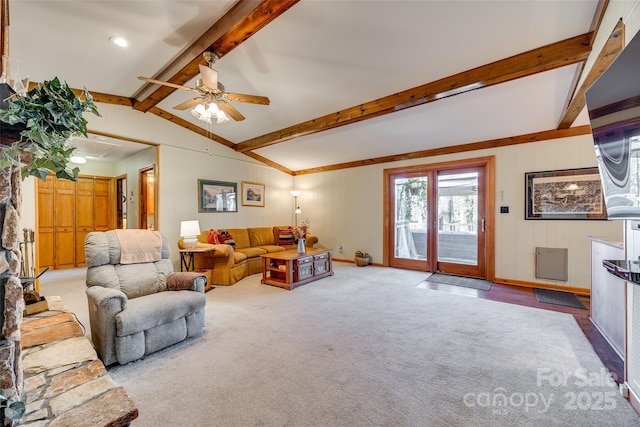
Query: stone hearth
(65, 384)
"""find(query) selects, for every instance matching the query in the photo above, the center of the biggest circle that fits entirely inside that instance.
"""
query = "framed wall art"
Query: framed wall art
(217, 196)
(253, 194)
(564, 194)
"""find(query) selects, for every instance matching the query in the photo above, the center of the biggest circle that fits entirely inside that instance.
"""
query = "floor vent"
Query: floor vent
(552, 263)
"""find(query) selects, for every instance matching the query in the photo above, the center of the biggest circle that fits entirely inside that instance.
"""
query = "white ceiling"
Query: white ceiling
(317, 58)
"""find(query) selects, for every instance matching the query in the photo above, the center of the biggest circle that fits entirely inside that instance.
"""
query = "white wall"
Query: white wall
(131, 169)
(345, 208)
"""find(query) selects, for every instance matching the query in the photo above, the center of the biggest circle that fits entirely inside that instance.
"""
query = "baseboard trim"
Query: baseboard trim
(634, 400)
(521, 283)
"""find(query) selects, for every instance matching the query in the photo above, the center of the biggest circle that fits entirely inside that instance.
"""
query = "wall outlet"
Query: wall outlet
(504, 209)
(340, 248)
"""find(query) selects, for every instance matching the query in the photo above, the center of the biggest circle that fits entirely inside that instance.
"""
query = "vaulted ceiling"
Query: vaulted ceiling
(350, 82)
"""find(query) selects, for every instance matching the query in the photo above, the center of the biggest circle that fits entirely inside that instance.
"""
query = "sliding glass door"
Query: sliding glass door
(438, 218)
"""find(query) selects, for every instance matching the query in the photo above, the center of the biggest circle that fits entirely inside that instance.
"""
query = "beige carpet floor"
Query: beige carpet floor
(367, 347)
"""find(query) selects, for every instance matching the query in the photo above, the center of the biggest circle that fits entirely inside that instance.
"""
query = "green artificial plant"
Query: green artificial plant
(52, 113)
(13, 411)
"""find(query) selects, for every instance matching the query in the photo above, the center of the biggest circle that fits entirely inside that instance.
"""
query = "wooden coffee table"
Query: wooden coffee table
(289, 269)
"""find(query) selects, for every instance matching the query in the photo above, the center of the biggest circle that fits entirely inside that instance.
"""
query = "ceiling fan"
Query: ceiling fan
(211, 93)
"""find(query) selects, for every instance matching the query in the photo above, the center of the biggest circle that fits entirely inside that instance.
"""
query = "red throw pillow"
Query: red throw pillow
(226, 239)
(212, 236)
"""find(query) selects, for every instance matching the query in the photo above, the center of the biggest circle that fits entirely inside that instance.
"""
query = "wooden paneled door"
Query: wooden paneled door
(103, 208)
(64, 214)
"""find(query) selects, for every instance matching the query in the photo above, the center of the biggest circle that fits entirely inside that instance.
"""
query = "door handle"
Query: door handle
(482, 224)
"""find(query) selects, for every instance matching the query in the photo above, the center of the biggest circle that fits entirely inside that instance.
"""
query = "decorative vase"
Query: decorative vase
(301, 245)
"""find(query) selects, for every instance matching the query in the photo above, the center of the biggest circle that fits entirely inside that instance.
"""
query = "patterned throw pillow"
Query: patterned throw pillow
(213, 237)
(286, 237)
(226, 239)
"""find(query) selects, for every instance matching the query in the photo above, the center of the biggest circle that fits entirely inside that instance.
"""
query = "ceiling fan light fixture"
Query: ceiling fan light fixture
(209, 113)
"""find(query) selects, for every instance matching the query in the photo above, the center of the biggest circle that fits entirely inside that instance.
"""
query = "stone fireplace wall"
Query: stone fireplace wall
(11, 297)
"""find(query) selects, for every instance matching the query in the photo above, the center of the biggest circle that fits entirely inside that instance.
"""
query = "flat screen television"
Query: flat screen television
(613, 103)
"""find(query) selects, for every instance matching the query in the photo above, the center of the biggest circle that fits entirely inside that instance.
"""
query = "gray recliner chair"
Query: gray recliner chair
(139, 305)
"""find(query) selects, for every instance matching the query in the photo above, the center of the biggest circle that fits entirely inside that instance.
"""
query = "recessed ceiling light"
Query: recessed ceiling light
(120, 41)
(78, 160)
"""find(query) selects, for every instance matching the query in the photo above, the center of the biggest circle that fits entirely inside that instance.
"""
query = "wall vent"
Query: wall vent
(552, 263)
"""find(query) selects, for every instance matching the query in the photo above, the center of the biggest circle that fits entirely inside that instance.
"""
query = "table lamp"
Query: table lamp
(190, 230)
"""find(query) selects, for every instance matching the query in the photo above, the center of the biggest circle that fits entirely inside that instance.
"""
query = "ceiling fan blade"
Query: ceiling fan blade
(231, 111)
(188, 104)
(209, 77)
(160, 82)
(253, 99)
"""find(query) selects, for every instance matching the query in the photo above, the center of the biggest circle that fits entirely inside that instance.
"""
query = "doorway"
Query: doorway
(440, 217)
(121, 202)
(147, 213)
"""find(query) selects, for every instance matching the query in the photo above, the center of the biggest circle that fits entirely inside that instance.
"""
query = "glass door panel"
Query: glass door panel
(458, 218)
(410, 226)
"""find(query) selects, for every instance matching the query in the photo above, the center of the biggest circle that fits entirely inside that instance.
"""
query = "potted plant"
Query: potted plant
(13, 411)
(47, 116)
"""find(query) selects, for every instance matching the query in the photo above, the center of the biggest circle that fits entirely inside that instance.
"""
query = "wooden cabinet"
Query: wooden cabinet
(64, 220)
(289, 269)
(46, 225)
(84, 216)
(102, 204)
(67, 212)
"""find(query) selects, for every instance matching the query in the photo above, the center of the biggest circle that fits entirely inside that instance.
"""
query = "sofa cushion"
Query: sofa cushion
(240, 236)
(239, 256)
(273, 248)
(157, 309)
(261, 236)
(252, 252)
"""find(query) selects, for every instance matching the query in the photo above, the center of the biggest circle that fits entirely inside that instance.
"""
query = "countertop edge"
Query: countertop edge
(607, 241)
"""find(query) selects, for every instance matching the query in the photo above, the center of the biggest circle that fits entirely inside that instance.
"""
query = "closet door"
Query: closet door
(103, 208)
(84, 216)
(65, 253)
(46, 224)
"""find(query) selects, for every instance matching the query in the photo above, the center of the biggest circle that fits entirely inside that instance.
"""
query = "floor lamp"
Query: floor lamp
(297, 211)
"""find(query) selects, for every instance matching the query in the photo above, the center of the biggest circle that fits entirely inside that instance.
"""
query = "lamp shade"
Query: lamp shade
(190, 230)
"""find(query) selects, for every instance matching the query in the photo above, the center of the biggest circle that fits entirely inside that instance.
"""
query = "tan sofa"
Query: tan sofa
(229, 265)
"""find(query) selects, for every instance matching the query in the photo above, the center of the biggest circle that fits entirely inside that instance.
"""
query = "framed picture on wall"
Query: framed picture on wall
(253, 194)
(217, 196)
(564, 194)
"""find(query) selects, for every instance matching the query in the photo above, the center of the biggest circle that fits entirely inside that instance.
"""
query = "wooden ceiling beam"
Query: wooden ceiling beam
(243, 20)
(545, 58)
(105, 98)
(598, 16)
(474, 146)
(612, 48)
